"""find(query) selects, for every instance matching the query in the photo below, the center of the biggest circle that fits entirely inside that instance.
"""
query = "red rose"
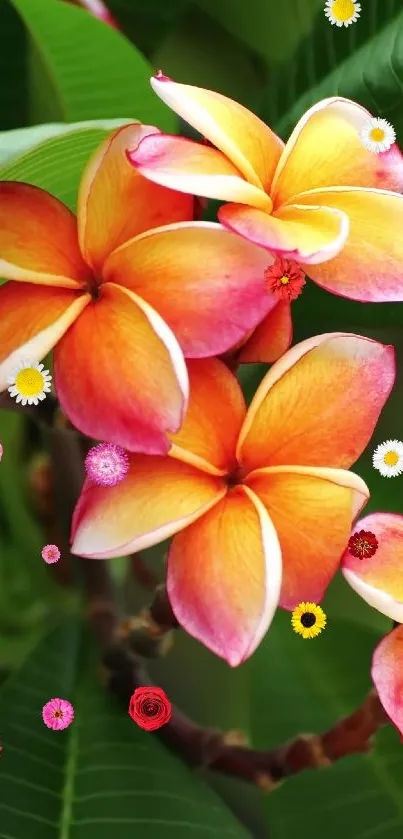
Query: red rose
(150, 708)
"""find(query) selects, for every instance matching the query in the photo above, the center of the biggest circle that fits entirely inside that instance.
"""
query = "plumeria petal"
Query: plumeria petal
(115, 203)
(213, 420)
(194, 168)
(369, 267)
(224, 576)
(378, 579)
(158, 497)
(207, 283)
(120, 374)
(251, 146)
(33, 318)
(309, 237)
(387, 675)
(38, 238)
(312, 510)
(270, 339)
(325, 149)
(338, 382)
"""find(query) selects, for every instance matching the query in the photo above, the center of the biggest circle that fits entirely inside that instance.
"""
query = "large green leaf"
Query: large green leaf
(21, 140)
(102, 776)
(303, 686)
(95, 72)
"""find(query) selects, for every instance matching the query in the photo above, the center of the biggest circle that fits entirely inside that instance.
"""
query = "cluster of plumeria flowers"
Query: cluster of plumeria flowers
(148, 312)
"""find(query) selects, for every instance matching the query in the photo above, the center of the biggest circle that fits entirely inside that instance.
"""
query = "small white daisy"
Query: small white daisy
(377, 135)
(388, 458)
(342, 12)
(29, 383)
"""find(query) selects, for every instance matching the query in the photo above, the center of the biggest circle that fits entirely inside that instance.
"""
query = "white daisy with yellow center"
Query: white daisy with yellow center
(377, 135)
(342, 12)
(388, 458)
(30, 383)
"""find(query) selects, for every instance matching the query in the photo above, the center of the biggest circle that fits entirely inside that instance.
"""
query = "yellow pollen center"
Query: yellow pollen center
(29, 381)
(391, 458)
(284, 279)
(377, 134)
(343, 10)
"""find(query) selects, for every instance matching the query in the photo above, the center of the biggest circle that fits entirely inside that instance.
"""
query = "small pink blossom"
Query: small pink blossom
(107, 464)
(1, 451)
(50, 553)
(58, 714)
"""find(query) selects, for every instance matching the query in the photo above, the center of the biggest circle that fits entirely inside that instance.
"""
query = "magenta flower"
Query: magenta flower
(50, 553)
(58, 714)
(1, 451)
(107, 464)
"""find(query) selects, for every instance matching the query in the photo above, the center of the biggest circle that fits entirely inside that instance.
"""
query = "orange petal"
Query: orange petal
(337, 382)
(325, 149)
(120, 374)
(207, 284)
(270, 339)
(158, 497)
(306, 237)
(33, 318)
(224, 576)
(194, 168)
(369, 268)
(115, 203)
(312, 511)
(38, 238)
(387, 675)
(378, 579)
(213, 420)
(246, 140)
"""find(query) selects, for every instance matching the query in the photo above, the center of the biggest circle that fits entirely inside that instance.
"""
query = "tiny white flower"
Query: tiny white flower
(342, 12)
(388, 458)
(29, 383)
(377, 135)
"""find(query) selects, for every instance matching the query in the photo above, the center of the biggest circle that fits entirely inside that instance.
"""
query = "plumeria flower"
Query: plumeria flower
(388, 458)
(254, 496)
(29, 383)
(378, 135)
(342, 12)
(120, 297)
(379, 581)
(322, 200)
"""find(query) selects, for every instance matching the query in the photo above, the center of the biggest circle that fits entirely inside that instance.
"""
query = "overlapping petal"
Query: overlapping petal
(38, 238)
(251, 146)
(32, 320)
(271, 339)
(387, 675)
(378, 579)
(318, 404)
(207, 283)
(207, 438)
(369, 268)
(115, 203)
(312, 510)
(158, 497)
(309, 237)
(120, 374)
(325, 149)
(224, 576)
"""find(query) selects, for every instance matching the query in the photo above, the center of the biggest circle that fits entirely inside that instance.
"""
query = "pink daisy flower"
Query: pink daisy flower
(58, 714)
(107, 464)
(285, 279)
(50, 553)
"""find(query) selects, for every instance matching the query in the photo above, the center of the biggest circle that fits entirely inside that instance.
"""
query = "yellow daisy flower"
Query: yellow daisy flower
(308, 620)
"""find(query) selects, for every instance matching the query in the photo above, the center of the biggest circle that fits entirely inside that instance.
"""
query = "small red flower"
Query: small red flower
(363, 544)
(150, 708)
(285, 279)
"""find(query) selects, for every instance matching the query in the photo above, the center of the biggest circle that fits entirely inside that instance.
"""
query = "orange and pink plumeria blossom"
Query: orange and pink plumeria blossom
(260, 500)
(322, 199)
(379, 581)
(121, 298)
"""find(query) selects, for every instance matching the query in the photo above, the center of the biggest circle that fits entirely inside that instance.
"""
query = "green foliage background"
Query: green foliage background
(67, 79)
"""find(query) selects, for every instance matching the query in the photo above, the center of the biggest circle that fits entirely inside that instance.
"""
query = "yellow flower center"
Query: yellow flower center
(343, 10)
(29, 382)
(391, 458)
(284, 279)
(377, 134)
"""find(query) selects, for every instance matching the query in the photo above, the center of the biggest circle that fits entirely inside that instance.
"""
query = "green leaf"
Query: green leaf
(306, 686)
(20, 140)
(95, 72)
(13, 90)
(102, 776)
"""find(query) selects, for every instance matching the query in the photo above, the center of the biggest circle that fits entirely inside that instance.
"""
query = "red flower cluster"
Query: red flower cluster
(363, 544)
(150, 708)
